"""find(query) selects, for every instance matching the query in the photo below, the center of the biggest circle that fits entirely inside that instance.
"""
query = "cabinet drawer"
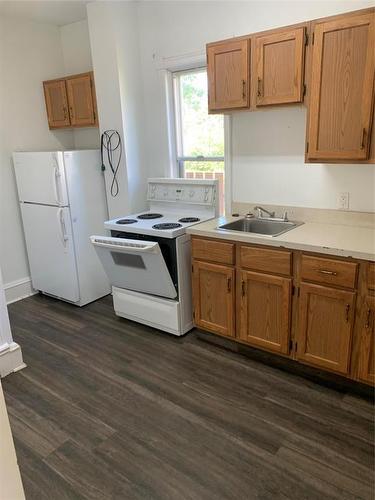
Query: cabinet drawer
(264, 259)
(213, 251)
(371, 276)
(329, 271)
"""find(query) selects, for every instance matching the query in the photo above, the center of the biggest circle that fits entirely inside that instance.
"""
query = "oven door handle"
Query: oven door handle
(124, 245)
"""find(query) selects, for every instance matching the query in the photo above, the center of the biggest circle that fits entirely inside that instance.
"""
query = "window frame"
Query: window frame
(176, 95)
(165, 68)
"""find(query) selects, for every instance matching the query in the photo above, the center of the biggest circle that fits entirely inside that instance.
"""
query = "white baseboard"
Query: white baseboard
(11, 360)
(19, 289)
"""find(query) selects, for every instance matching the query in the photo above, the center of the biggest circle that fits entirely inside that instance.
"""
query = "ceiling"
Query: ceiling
(49, 11)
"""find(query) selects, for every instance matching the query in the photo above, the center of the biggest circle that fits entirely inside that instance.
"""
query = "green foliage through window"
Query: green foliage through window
(202, 134)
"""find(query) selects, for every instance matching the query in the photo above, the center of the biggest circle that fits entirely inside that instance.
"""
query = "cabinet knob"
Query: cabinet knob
(363, 139)
(347, 309)
(229, 284)
(259, 87)
(326, 271)
(368, 315)
(243, 89)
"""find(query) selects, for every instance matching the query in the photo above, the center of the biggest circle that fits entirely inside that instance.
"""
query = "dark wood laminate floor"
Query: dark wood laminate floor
(112, 409)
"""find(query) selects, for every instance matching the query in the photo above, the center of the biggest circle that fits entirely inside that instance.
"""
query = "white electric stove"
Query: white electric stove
(148, 256)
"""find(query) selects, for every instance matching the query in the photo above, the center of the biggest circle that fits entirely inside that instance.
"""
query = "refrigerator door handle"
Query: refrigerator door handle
(55, 175)
(62, 227)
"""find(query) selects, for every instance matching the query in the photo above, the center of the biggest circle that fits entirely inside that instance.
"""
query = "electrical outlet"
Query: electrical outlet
(343, 201)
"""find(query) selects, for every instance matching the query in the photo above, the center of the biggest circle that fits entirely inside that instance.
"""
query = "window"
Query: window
(199, 136)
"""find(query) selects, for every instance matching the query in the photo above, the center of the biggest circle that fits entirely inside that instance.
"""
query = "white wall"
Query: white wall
(128, 58)
(114, 34)
(268, 167)
(268, 146)
(29, 53)
(75, 40)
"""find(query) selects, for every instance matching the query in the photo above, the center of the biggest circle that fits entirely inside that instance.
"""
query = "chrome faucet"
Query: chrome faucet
(261, 210)
(271, 215)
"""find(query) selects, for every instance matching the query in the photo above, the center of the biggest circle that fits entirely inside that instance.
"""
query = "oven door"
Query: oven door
(135, 265)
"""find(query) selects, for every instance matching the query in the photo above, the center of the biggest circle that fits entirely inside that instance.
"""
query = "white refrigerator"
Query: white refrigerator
(63, 202)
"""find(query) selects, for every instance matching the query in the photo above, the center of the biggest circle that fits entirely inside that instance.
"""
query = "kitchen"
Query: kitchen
(120, 396)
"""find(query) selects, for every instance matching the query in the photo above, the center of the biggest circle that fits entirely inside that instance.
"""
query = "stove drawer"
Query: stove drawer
(213, 251)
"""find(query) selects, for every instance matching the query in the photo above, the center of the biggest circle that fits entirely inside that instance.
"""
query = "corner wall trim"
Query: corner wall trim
(11, 360)
(182, 62)
(18, 289)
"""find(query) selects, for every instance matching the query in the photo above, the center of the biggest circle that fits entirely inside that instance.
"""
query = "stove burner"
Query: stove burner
(189, 219)
(166, 225)
(126, 221)
(149, 216)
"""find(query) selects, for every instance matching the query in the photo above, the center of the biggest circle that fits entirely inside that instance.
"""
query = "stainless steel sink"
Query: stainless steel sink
(260, 226)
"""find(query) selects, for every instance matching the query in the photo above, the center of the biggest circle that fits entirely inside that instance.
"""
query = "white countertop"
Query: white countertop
(330, 239)
(10, 479)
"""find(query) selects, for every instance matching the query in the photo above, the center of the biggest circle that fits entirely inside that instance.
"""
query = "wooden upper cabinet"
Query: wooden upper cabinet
(367, 342)
(71, 101)
(342, 79)
(81, 100)
(325, 324)
(279, 67)
(228, 75)
(265, 311)
(213, 297)
(56, 103)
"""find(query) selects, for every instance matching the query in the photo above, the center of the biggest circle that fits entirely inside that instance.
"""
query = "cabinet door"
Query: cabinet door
(81, 100)
(325, 324)
(228, 75)
(213, 295)
(56, 103)
(343, 63)
(367, 349)
(279, 64)
(265, 309)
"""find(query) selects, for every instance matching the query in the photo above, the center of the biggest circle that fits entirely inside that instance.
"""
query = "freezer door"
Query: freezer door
(41, 178)
(135, 265)
(50, 249)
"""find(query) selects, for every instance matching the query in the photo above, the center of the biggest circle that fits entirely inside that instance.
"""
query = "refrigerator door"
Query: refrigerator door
(50, 249)
(88, 211)
(41, 178)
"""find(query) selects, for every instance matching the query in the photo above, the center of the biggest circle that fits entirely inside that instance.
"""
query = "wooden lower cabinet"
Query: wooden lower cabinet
(325, 325)
(214, 293)
(315, 309)
(265, 310)
(367, 342)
